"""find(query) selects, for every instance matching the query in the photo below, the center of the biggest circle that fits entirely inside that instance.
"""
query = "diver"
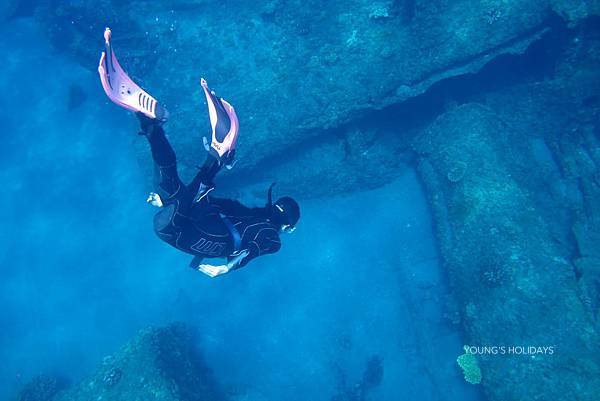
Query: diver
(190, 218)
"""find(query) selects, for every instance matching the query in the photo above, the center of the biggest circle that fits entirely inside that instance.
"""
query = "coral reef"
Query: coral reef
(496, 209)
(41, 388)
(158, 364)
(575, 11)
(325, 65)
(517, 235)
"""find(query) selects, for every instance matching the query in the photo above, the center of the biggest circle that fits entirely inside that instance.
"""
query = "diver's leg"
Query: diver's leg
(221, 151)
(202, 183)
(169, 184)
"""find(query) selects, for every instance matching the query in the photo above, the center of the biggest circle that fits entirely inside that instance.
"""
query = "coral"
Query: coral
(112, 377)
(493, 15)
(379, 11)
(456, 171)
(352, 40)
(470, 367)
(492, 269)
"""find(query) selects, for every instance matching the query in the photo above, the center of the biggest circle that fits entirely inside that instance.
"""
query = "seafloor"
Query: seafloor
(446, 157)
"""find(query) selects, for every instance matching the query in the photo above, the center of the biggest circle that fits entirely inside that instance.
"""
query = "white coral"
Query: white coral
(352, 40)
(379, 11)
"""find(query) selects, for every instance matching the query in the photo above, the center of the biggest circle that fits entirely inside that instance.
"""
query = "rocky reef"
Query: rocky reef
(295, 68)
(512, 181)
(371, 378)
(158, 364)
(41, 388)
(514, 281)
(496, 103)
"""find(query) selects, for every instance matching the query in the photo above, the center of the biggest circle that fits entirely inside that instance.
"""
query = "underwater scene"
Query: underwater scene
(359, 200)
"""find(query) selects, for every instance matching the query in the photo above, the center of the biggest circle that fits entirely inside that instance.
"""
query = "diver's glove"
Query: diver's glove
(214, 271)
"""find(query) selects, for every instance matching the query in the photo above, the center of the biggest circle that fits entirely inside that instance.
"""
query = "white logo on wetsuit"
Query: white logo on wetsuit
(208, 247)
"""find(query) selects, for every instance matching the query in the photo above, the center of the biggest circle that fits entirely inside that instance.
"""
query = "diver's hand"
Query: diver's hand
(213, 271)
(154, 199)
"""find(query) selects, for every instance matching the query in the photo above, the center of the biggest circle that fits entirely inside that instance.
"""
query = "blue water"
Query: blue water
(82, 271)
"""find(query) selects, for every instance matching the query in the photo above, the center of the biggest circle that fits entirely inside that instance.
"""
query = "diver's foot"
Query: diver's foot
(228, 160)
(148, 124)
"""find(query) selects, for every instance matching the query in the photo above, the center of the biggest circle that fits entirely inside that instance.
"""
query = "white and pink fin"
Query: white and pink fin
(121, 89)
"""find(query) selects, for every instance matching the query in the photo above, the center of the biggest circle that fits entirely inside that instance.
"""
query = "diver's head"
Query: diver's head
(285, 213)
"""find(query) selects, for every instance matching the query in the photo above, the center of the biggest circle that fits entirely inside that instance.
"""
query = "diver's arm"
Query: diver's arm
(234, 208)
(214, 271)
(266, 243)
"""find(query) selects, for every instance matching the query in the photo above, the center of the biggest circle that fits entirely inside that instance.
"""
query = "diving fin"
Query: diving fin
(225, 126)
(121, 89)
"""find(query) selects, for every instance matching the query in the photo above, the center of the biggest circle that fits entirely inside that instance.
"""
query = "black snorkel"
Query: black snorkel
(270, 196)
(285, 213)
(269, 205)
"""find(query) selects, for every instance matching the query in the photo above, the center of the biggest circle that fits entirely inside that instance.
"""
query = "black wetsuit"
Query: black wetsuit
(209, 228)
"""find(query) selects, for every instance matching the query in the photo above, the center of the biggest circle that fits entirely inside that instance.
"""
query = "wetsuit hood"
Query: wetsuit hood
(284, 212)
